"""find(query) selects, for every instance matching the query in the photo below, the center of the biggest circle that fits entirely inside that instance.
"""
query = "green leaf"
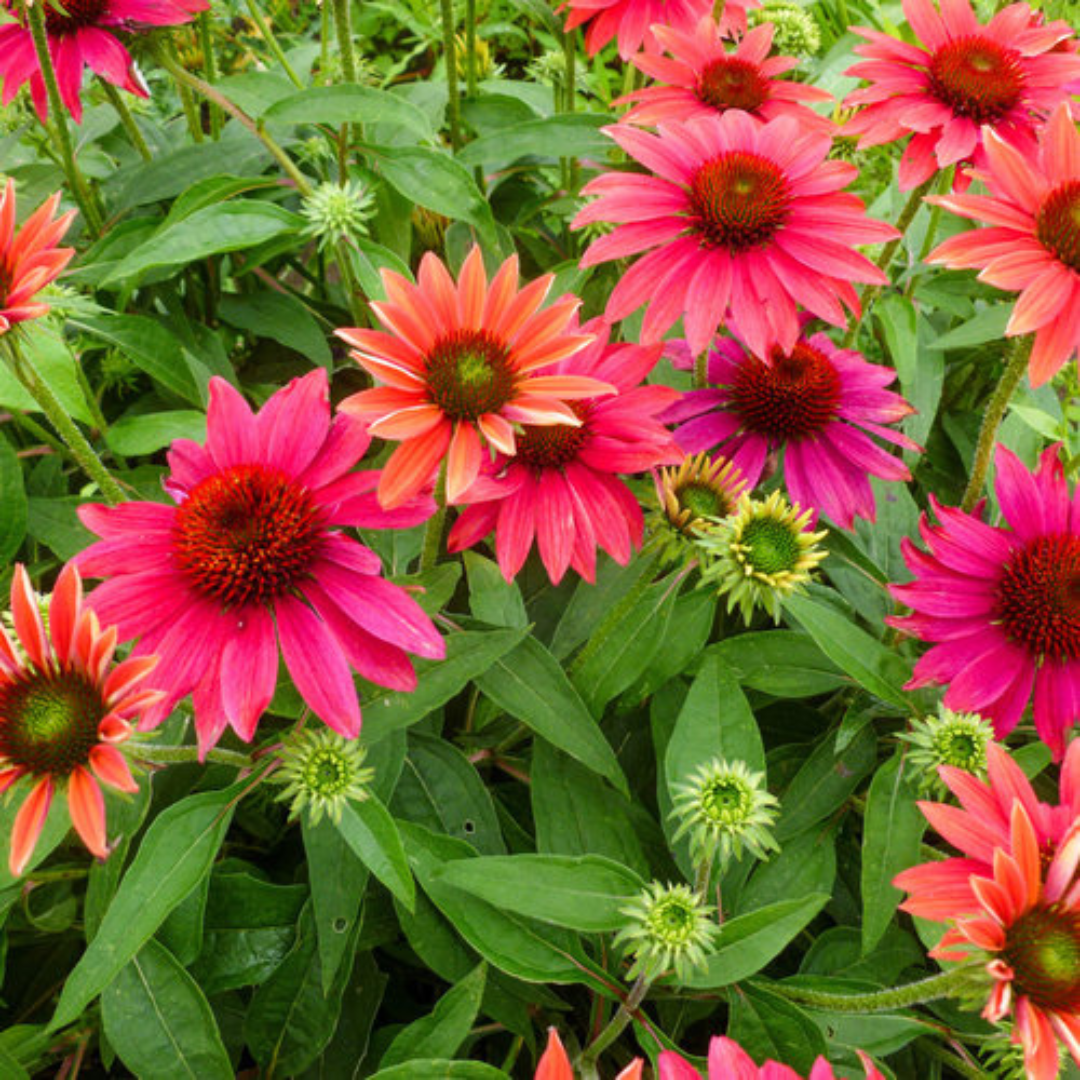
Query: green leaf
(158, 1021)
(55, 362)
(337, 879)
(628, 648)
(55, 524)
(177, 850)
(146, 433)
(440, 788)
(441, 1034)
(783, 663)
(874, 667)
(521, 947)
(348, 103)
(714, 722)
(290, 1019)
(149, 345)
(282, 318)
(369, 830)
(468, 654)
(438, 182)
(825, 781)
(583, 892)
(563, 135)
(988, 325)
(13, 504)
(530, 684)
(805, 864)
(491, 598)
(892, 833)
(768, 1026)
(441, 1070)
(575, 815)
(747, 943)
(230, 226)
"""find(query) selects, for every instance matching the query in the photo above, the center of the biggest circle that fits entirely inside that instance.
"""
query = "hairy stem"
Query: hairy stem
(127, 121)
(1016, 360)
(206, 40)
(266, 32)
(944, 984)
(453, 106)
(615, 1026)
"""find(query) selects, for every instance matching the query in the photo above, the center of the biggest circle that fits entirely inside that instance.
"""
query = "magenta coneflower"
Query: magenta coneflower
(729, 1061)
(630, 21)
(701, 78)
(1033, 244)
(65, 708)
(1003, 604)
(562, 486)
(253, 555)
(1027, 925)
(83, 33)
(1005, 74)
(738, 214)
(460, 368)
(819, 404)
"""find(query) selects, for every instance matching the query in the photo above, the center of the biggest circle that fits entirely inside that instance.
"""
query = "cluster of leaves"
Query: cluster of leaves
(523, 793)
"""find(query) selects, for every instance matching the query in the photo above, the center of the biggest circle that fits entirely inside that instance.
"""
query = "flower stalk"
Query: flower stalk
(453, 105)
(615, 1026)
(1016, 360)
(127, 121)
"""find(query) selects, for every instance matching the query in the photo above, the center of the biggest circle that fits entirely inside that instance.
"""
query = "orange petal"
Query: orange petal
(27, 618)
(126, 674)
(1025, 846)
(410, 423)
(554, 1065)
(501, 291)
(28, 824)
(498, 432)
(111, 767)
(472, 290)
(86, 805)
(412, 466)
(633, 1070)
(462, 461)
(64, 609)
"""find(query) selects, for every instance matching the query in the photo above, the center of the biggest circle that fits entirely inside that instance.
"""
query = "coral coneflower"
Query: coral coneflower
(1033, 244)
(701, 78)
(562, 486)
(253, 555)
(1027, 924)
(980, 825)
(81, 34)
(821, 405)
(630, 21)
(962, 76)
(64, 710)
(738, 214)
(1003, 604)
(29, 257)
(459, 367)
(728, 1061)
(554, 1063)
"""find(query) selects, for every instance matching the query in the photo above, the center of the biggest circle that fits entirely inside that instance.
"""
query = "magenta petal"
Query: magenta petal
(231, 437)
(249, 668)
(293, 425)
(317, 665)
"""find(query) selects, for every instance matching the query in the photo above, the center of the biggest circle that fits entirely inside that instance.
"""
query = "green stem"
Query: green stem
(433, 531)
(127, 121)
(268, 35)
(185, 79)
(206, 39)
(156, 754)
(169, 59)
(871, 292)
(956, 1063)
(453, 106)
(343, 258)
(703, 876)
(470, 48)
(570, 164)
(944, 984)
(35, 15)
(612, 619)
(27, 374)
(324, 42)
(343, 25)
(1016, 360)
(616, 1025)
(701, 371)
(32, 427)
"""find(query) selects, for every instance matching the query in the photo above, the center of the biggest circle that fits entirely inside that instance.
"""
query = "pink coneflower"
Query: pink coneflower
(942, 889)
(631, 21)
(1028, 926)
(562, 486)
(29, 257)
(737, 213)
(1003, 603)
(254, 546)
(701, 78)
(83, 33)
(460, 368)
(1033, 244)
(819, 404)
(729, 1061)
(964, 76)
(64, 710)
